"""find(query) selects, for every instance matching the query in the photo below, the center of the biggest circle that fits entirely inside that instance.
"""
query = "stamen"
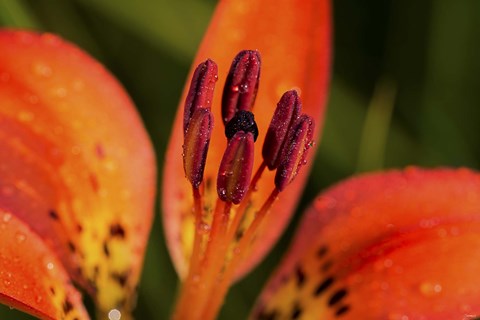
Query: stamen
(293, 157)
(236, 168)
(195, 146)
(241, 85)
(287, 112)
(242, 121)
(200, 94)
(216, 257)
(239, 254)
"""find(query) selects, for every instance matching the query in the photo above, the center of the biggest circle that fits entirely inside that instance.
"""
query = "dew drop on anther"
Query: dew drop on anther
(203, 228)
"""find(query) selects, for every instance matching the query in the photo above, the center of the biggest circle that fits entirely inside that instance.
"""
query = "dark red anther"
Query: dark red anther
(200, 94)
(236, 168)
(287, 112)
(195, 146)
(241, 85)
(294, 153)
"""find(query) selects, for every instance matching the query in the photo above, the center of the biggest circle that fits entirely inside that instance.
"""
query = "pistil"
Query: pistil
(216, 257)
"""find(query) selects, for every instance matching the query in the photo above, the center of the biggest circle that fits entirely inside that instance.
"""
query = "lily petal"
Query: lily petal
(80, 169)
(293, 38)
(395, 245)
(31, 277)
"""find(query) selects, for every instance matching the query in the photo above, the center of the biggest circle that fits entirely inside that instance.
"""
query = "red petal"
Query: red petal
(80, 168)
(293, 38)
(31, 277)
(398, 245)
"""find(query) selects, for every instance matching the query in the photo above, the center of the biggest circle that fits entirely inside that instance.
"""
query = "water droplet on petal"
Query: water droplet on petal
(42, 70)
(25, 116)
(78, 85)
(20, 237)
(7, 217)
(430, 289)
(114, 314)
(50, 39)
(60, 92)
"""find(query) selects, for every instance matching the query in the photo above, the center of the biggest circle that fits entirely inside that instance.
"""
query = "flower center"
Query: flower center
(217, 254)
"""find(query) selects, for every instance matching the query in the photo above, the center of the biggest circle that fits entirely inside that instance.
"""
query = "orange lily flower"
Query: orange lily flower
(397, 245)
(77, 187)
(292, 41)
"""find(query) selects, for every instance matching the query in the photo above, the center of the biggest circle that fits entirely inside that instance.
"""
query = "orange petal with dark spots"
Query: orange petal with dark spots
(32, 279)
(77, 165)
(394, 245)
(293, 39)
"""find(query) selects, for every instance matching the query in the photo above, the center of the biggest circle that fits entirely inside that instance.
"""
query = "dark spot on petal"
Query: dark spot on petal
(239, 233)
(116, 230)
(337, 296)
(106, 250)
(96, 271)
(79, 228)
(299, 275)
(326, 266)
(270, 315)
(297, 311)
(71, 246)
(52, 290)
(322, 251)
(53, 214)
(121, 278)
(342, 310)
(67, 306)
(323, 286)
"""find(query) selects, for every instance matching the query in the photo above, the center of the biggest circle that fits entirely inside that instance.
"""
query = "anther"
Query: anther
(294, 153)
(287, 111)
(242, 121)
(241, 85)
(195, 147)
(200, 94)
(236, 168)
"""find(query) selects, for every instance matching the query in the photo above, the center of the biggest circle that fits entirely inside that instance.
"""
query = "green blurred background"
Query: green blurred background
(404, 91)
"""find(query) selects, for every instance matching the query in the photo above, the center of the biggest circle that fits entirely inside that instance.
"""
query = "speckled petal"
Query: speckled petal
(394, 245)
(77, 165)
(31, 277)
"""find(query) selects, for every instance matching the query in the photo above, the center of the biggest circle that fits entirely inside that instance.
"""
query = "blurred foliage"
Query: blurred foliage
(404, 92)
